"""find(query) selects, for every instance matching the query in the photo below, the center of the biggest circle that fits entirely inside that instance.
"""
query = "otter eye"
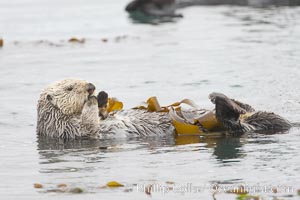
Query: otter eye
(69, 88)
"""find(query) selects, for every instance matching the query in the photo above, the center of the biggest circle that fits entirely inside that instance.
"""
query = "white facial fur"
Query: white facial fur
(68, 95)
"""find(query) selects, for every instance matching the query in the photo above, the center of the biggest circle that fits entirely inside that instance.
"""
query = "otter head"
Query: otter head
(69, 95)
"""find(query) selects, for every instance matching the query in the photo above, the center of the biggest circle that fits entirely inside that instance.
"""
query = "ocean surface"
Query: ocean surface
(250, 54)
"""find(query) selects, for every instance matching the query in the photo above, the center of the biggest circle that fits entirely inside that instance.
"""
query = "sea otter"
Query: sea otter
(161, 8)
(155, 8)
(69, 109)
(238, 118)
(60, 106)
(255, 3)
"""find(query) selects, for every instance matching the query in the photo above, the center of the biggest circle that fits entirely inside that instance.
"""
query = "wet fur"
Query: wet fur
(72, 114)
(229, 112)
(59, 109)
(67, 110)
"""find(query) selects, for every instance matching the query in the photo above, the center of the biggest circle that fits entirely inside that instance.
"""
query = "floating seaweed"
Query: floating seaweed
(247, 197)
(55, 190)
(113, 184)
(76, 40)
(62, 185)
(38, 185)
(76, 190)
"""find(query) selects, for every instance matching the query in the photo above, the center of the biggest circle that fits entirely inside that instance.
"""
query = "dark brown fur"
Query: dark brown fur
(228, 111)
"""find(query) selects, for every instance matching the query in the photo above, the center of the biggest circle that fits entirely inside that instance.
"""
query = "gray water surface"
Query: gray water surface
(250, 54)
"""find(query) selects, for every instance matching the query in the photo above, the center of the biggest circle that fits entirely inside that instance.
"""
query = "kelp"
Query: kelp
(38, 185)
(62, 185)
(114, 105)
(184, 123)
(247, 197)
(113, 184)
(191, 122)
(76, 190)
(1, 42)
(76, 40)
(60, 188)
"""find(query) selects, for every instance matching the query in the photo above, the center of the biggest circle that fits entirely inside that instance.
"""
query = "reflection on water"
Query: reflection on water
(139, 17)
(90, 163)
(263, 19)
(53, 151)
(224, 147)
(64, 144)
(228, 148)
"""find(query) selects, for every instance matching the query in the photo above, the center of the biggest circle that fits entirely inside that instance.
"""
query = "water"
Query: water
(247, 53)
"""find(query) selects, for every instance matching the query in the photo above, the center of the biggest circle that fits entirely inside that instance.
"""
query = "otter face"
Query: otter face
(69, 95)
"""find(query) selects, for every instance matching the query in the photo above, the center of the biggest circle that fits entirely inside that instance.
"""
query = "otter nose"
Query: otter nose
(91, 88)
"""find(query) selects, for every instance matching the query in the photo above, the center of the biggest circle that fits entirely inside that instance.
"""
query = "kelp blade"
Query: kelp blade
(210, 122)
(184, 128)
(181, 125)
(153, 105)
(114, 104)
(184, 125)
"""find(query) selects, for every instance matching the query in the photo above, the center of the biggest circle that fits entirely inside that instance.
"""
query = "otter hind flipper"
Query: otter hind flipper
(267, 121)
(245, 106)
(228, 112)
(226, 108)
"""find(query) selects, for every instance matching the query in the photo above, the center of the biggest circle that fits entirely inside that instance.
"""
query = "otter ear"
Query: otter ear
(49, 97)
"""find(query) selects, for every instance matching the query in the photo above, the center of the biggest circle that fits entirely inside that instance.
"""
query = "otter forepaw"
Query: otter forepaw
(92, 101)
(239, 110)
(221, 99)
(102, 104)
(90, 118)
(90, 110)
